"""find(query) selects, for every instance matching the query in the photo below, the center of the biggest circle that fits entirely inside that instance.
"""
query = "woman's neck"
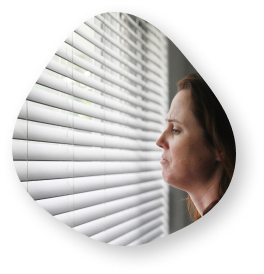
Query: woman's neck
(207, 194)
(205, 201)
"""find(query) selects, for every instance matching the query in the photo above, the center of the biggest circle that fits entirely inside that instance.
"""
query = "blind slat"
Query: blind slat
(137, 232)
(43, 170)
(154, 51)
(151, 235)
(60, 204)
(58, 187)
(54, 134)
(73, 58)
(48, 98)
(39, 151)
(54, 116)
(123, 228)
(150, 67)
(99, 58)
(152, 45)
(88, 81)
(96, 226)
(74, 90)
(100, 45)
(88, 214)
(140, 30)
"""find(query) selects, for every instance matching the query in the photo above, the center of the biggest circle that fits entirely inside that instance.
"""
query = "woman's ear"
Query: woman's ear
(218, 155)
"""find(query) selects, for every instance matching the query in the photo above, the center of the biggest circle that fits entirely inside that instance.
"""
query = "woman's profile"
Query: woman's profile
(199, 146)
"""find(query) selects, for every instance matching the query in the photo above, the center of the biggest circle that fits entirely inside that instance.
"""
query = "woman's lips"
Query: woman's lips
(163, 160)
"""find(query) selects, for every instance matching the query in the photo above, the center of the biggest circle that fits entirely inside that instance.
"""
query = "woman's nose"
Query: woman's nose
(161, 142)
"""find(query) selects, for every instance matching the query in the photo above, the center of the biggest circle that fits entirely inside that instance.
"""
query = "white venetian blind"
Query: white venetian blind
(84, 141)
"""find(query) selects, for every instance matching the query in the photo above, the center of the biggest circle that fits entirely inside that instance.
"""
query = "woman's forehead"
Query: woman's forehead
(180, 106)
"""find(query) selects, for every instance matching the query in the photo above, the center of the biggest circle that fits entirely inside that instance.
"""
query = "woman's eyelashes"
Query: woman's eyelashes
(172, 128)
(176, 131)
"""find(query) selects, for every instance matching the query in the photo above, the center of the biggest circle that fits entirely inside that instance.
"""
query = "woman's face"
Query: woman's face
(187, 161)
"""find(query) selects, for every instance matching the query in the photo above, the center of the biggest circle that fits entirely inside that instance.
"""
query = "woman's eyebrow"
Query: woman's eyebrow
(173, 120)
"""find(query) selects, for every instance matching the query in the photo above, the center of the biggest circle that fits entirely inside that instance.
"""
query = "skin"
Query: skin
(188, 163)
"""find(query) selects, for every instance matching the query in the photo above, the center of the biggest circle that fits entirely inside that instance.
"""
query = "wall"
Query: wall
(179, 67)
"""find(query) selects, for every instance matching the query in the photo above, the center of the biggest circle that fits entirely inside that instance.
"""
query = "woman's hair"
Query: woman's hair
(217, 131)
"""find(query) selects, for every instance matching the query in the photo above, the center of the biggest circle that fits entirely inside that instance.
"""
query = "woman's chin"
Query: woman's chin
(166, 177)
(171, 180)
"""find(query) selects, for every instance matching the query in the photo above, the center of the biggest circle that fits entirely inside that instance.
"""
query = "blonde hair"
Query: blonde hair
(217, 131)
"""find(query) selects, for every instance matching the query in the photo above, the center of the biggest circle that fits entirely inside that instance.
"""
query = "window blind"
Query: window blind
(84, 141)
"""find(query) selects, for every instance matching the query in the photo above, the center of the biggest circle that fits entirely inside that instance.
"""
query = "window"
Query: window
(84, 141)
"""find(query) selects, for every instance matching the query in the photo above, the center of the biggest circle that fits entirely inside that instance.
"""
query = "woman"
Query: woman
(199, 146)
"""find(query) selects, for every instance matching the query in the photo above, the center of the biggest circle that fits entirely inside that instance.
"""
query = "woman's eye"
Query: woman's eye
(176, 131)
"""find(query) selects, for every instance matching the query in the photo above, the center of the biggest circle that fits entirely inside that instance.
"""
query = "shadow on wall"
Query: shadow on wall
(179, 67)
